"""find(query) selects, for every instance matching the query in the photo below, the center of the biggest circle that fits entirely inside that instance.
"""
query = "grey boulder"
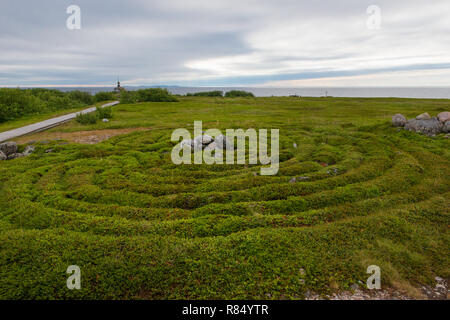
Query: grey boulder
(428, 127)
(28, 150)
(446, 127)
(15, 156)
(8, 148)
(204, 140)
(444, 116)
(3, 156)
(398, 120)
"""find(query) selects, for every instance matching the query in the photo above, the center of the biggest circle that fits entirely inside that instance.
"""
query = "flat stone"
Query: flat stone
(423, 116)
(444, 116)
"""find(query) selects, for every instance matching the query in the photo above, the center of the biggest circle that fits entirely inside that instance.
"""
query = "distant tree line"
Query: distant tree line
(16, 103)
(218, 93)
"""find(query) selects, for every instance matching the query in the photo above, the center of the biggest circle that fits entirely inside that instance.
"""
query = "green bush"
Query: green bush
(104, 113)
(128, 97)
(87, 118)
(104, 96)
(216, 93)
(84, 97)
(147, 95)
(238, 93)
(16, 103)
(155, 95)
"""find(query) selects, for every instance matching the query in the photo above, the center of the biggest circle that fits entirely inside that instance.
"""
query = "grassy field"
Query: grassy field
(141, 227)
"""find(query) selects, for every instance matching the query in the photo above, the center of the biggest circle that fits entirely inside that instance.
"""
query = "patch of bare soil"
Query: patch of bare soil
(86, 137)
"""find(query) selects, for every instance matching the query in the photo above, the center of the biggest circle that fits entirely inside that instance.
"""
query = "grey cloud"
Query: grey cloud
(154, 42)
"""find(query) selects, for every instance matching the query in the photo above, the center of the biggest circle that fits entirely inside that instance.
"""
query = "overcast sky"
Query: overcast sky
(278, 43)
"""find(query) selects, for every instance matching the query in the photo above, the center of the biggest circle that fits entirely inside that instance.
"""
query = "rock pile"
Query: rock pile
(424, 123)
(209, 143)
(8, 151)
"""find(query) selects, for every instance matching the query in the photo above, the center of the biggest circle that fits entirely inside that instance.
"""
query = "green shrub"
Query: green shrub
(16, 103)
(147, 95)
(81, 96)
(155, 95)
(128, 97)
(104, 113)
(87, 118)
(216, 93)
(238, 93)
(104, 96)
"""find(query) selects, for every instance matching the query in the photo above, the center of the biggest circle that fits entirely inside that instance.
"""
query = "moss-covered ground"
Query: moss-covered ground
(141, 227)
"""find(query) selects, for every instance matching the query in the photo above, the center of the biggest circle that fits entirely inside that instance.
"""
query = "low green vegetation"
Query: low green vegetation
(18, 103)
(140, 227)
(238, 93)
(147, 95)
(218, 93)
(93, 117)
(105, 96)
(215, 93)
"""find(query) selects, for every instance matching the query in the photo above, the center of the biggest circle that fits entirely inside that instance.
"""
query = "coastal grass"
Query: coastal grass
(140, 227)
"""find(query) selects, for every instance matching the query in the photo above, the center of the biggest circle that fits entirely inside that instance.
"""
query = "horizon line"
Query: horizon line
(212, 86)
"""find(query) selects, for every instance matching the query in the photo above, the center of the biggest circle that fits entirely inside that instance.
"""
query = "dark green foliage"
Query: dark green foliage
(215, 93)
(104, 96)
(238, 93)
(104, 113)
(16, 103)
(82, 96)
(87, 118)
(147, 95)
(127, 96)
